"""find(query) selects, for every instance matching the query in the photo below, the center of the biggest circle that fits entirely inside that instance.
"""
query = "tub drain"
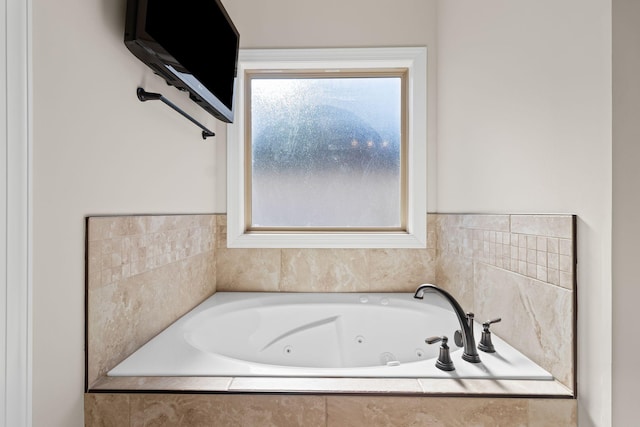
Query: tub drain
(287, 350)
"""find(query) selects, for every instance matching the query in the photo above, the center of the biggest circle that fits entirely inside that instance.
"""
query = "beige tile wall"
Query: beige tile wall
(520, 268)
(323, 270)
(189, 410)
(535, 246)
(143, 272)
(146, 271)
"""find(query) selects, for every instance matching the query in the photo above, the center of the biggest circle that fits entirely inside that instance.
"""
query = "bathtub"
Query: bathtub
(235, 334)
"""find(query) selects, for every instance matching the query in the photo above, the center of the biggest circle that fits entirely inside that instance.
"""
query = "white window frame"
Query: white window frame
(414, 59)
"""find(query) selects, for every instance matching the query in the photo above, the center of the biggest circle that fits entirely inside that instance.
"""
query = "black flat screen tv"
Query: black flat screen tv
(192, 44)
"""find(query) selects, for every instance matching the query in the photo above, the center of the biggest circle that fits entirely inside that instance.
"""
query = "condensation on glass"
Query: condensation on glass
(326, 151)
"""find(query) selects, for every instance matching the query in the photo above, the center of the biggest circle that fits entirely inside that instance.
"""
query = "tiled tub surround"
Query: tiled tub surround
(143, 272)
(324, 270)
(191, 410)
(454, 259)
(520, 268)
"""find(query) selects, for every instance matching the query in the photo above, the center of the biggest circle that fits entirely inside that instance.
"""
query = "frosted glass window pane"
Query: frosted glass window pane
(326, 152)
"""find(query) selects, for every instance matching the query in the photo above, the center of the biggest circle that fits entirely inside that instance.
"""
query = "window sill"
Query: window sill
(328, 240)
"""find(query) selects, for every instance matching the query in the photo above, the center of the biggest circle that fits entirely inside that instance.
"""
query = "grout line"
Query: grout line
(326, 411)
(129, 410)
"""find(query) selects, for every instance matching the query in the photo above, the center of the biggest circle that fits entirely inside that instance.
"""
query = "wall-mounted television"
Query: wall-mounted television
(192, 44)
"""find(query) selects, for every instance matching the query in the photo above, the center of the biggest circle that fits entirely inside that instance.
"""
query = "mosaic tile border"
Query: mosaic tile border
(536, 246)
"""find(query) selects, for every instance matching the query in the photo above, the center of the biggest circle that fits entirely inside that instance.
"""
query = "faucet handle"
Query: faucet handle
(491, 322)
(485, 341)
(433, 340)
(444, 361)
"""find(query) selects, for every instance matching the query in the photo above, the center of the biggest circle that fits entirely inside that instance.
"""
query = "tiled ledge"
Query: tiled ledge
(368, 386)
(222, 410)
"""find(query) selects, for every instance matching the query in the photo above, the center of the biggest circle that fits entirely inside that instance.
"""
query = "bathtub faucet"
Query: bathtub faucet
(470, 353)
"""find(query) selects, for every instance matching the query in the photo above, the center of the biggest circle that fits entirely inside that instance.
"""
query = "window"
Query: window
(328, 149)
(337, 137)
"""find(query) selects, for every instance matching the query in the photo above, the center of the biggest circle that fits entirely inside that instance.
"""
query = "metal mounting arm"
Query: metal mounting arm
(143, 96)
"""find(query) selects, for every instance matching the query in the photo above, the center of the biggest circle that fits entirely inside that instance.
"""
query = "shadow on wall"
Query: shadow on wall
(113, 14)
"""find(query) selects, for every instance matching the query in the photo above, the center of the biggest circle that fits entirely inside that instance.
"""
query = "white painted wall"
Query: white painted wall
(626, 205)
(524, 125)
(97, 150)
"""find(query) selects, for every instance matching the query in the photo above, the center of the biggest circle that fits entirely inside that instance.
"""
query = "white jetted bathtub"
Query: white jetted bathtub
(319, 335)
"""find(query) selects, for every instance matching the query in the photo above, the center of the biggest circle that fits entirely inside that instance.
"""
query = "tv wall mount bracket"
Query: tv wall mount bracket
(143, 96)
